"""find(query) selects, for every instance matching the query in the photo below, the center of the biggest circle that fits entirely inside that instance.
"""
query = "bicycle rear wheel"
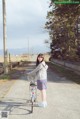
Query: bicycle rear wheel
(32, 102)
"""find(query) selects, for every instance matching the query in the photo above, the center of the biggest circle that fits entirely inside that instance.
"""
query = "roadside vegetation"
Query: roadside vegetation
(63, 25)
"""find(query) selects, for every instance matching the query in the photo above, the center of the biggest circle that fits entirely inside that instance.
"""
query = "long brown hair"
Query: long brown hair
(37, 61)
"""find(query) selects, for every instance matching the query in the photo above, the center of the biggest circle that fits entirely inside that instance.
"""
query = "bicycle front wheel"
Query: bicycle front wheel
(32, 102)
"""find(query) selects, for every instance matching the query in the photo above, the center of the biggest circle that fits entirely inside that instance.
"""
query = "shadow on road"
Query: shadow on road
(14, 106)
(55, 78)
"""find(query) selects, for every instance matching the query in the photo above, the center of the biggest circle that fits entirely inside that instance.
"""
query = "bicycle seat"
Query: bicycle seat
(32, 84)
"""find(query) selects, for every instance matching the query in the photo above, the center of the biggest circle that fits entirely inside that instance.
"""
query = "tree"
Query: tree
(62, 20)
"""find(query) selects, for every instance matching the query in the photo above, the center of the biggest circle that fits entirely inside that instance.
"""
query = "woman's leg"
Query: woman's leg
(43, 95)
(43, 98)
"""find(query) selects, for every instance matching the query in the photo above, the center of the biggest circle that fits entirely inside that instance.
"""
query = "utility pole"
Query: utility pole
(28, 50)
(28, 47)
(4, 37)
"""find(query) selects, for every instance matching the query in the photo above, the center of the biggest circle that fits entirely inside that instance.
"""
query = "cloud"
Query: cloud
(21, 11)
(25, 19)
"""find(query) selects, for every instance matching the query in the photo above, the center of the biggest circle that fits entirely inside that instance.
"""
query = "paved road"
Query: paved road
(63, 98)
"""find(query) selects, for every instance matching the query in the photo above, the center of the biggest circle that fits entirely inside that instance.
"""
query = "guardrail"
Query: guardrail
(75, 67)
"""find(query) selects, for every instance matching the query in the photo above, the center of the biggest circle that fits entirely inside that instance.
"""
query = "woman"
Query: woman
(41, 75)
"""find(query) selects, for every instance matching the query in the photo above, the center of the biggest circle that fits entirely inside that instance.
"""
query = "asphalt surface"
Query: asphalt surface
(63, 97)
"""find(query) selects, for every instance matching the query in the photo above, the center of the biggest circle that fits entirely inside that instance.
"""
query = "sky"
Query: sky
(25, 24)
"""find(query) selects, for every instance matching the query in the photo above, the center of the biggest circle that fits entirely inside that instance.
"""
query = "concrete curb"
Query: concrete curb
(73, 67)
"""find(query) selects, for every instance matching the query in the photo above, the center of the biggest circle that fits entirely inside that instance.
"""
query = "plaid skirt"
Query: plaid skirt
(41, 84)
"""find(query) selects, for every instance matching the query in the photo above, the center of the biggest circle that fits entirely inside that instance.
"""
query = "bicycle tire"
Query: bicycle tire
(32, 102)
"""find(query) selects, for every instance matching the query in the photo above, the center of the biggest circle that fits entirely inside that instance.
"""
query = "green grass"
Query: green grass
(5, 77)
(69, 74)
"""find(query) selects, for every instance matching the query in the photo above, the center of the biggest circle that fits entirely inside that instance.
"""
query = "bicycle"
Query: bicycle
(33, 93)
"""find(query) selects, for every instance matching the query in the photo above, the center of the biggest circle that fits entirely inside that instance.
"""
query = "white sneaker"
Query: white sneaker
(42, 104)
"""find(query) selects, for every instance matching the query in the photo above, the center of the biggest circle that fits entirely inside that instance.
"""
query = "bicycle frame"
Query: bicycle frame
(33, 93)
